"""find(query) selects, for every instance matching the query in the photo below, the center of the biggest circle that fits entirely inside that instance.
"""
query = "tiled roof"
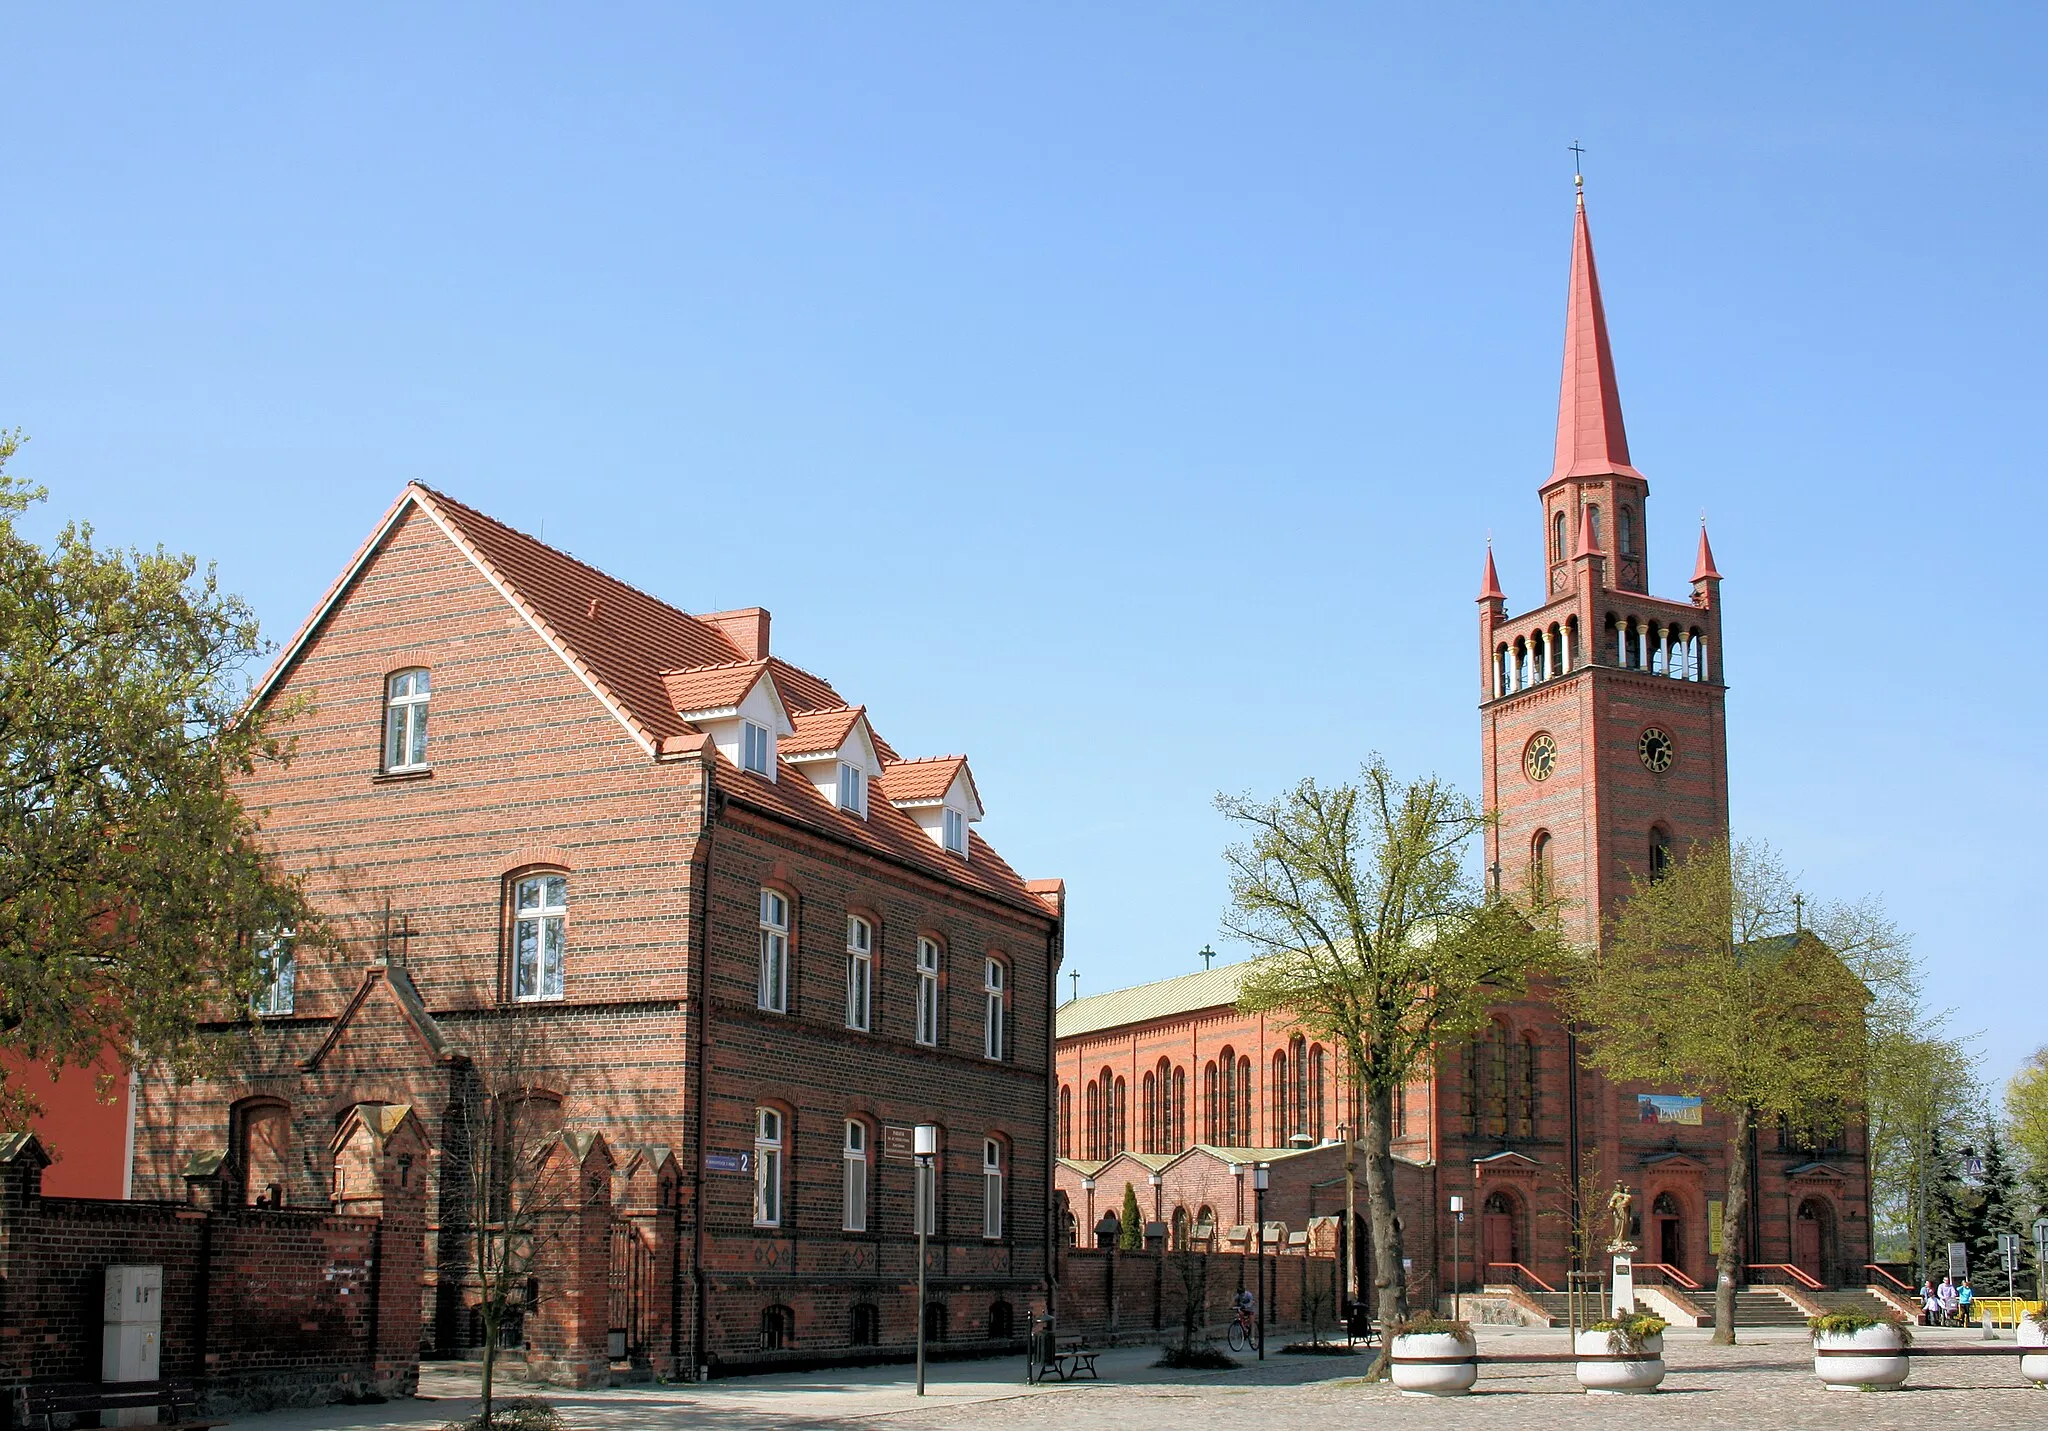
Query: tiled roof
(1208, 989)
(927, 778)
(820, 732)
(711, 688)
(646, 659)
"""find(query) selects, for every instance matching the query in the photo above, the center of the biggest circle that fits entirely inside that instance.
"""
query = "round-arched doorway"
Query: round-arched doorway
(1667, 1229)
(1813, 1240)
(1500, 1234)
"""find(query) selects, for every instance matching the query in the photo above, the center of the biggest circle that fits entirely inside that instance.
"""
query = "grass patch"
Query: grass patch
(1844, 1323)
(1317, 1349)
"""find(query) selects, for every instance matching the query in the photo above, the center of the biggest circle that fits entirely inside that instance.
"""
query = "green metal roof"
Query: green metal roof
(1209, 989)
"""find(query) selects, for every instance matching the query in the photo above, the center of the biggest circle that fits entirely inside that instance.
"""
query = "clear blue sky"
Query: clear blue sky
(1119, 394)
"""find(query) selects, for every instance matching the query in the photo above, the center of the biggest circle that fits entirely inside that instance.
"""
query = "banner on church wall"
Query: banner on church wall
(1667, 1108)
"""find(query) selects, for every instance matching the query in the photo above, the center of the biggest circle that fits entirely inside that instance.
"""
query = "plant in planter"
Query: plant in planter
(1625, 1353)
(1429, 1355)
(2033, 1332)
(1856, 1351)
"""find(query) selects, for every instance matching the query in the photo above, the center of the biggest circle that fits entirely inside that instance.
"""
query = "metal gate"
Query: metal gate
(632, 1286)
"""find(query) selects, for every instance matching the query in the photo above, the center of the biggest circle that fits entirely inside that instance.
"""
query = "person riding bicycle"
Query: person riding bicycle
(1245, 1306)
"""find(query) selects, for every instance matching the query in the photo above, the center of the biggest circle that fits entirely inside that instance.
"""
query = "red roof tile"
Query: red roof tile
(1591, 440)
(818, 732)
(711, 688)
(926, 778)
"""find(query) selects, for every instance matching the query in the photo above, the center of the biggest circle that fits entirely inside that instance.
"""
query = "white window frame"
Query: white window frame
(992, 1189)
(770, 1132)
(994, 1034)
(853, 789)
(548, 913)
(406, 694)
(853, 1157)
(771, 988)
(860, 973)
(953, 828)
(280, 957)
(757, 748)
(928, 958)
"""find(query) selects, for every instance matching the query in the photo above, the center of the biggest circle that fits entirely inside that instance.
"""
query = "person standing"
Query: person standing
(1950, 1303)
(1930, 1304)
(1964, 1298)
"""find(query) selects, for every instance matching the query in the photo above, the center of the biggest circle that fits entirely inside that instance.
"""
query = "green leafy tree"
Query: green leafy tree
(2026, 1111)
(136, 896)
(1709, 979)
(1921, 1079)
(1131, 1234)
(1371, 934)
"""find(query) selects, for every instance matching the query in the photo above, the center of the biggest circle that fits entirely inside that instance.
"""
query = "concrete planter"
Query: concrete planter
(1433, 1364)
(1870, 1360)
(1601, 1374)
(2034, 1364)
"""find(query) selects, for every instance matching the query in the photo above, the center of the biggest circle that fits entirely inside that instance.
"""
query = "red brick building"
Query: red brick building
(1604, 749)
(737, 934)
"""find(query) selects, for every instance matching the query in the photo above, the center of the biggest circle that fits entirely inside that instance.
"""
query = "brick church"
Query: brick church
(1603, 748)
(738, 946)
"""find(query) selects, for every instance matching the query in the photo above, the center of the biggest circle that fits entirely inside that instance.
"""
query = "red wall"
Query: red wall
(87, 1137)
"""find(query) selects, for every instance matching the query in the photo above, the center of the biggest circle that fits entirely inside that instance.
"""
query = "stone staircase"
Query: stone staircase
(1854, 1300)
(1754, 1306)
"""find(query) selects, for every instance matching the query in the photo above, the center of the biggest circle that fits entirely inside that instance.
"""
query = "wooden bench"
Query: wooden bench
(1071, 1359)
(53, 1399)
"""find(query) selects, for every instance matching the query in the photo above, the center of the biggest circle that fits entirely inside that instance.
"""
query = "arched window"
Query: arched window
(1123, 1123)
(405, 721)
(1468, 1090)
(769, 1128)
(1212, 1125)
(1496, 1091)
(1244, 1098)
(1557, 552)
(1162, 1134)
(1002, 1320)
(854, 1170)
(995, 1039)
(1525, 1099)
(1092, 1119)
(1400, 1109)
(1593, 511)
(1180, 1111)
(1277, 1096)
(778, 1328)
(279, 954)
(1148, 1113)
(992, 1160)
(1539, 865)
(1316, 1077)
(860, 972)
(1660, 852)
(1625, 526)
(867, 1325)
(1066, 1120)
(1297, 1092)
(935, 1321)
(771, 990)
(927, 990)
(540, 920)
(1228, 1060)
(263, 1143)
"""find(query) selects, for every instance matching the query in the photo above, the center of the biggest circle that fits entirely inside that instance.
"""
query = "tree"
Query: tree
(1921, 1080)
(1130, 1235)
(1371, 935)
(1947, 1202)
(507, 1190)
(2026, 1109)
(136, 896)
(1709, 980)
(1993, 1207)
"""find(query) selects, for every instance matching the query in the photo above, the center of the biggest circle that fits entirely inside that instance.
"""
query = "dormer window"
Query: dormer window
(956, 833)
(853, 790)
(757, 748)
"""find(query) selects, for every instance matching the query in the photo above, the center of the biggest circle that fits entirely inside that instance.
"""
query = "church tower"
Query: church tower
(1601, 709)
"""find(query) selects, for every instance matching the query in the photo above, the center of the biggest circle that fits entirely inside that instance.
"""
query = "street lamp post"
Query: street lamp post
(1259, 1175)
(1158, 1196)
(1350, 1137)
(1457, 1262)
(924, 1150)
(1237, 1172)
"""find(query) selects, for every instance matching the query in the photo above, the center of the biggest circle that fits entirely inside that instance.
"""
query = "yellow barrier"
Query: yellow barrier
(2004, 1311)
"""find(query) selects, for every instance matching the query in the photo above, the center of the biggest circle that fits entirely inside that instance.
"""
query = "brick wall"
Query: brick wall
(262, 1306)
(1140, 1295)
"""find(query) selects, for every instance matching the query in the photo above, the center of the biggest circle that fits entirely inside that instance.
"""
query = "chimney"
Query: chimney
(746, 628)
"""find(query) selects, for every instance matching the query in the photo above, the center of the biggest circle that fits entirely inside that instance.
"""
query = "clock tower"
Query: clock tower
(1601, 708)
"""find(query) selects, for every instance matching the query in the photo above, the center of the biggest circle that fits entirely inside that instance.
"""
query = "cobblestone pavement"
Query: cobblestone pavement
(1767, 1382)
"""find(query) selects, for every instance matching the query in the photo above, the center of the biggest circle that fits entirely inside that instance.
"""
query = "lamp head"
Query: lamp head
(925, 1140)
(1260, 1175)
(1154, 1179)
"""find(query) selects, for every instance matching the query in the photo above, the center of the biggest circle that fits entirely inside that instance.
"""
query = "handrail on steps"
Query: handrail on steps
(1669, 1271)
(1873, 1267)
(1795, 1273)
(1518, 1267)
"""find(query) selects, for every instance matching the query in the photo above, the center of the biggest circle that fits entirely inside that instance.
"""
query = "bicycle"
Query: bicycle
(1243, 1336)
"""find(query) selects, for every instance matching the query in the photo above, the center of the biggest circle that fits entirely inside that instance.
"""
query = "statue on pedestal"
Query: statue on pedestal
(1618, 1203)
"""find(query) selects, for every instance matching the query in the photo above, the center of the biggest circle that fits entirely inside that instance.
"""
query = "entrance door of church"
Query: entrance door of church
(1498, 1243)
(1806, 1242)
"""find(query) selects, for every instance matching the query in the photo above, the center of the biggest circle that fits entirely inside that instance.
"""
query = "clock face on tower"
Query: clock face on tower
(1539, 757)
(1656, 750)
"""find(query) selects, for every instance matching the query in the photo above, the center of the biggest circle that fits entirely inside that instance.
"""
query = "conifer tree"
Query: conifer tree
(1131, 1238)
(1994, 1208)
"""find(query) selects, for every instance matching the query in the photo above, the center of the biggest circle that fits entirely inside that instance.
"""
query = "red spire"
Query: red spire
(1491, 591)
(1589, 540)
(1703, 569)
(1591, 441)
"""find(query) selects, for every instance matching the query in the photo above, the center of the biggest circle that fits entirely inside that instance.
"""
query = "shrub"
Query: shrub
(1195, 1359)
(1627, 1332)
(518, 1413)
(1848, 1321)
(1427, 1323)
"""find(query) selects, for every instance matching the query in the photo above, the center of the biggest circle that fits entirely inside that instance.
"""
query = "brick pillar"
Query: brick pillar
(212, 1181)
(574, 1263)
(380, 1156)
(22, 1161)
